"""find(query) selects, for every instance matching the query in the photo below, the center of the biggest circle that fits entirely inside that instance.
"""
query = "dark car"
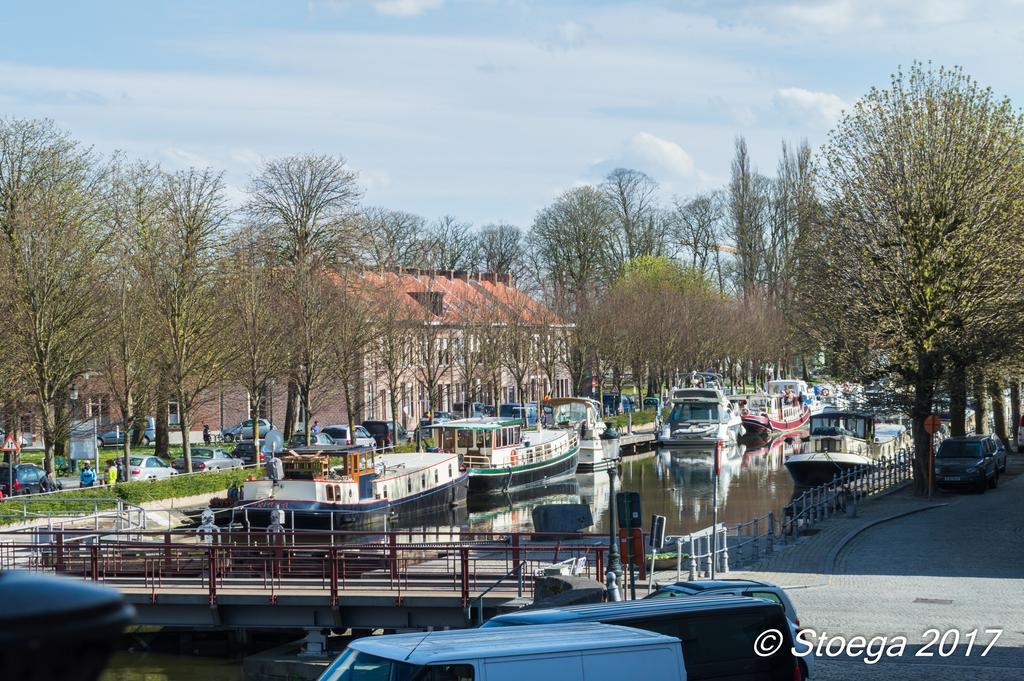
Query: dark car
(967, 461)
(382, 435)
(1000, 453)
(28, 479)
(718, 633)
(245, 450)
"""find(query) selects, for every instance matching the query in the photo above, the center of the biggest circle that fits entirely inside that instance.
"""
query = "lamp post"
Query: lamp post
(610, 447)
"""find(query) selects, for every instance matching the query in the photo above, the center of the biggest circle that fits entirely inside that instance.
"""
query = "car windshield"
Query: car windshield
(202, 453)
(959, 449)
(354, 665)
(135, 460)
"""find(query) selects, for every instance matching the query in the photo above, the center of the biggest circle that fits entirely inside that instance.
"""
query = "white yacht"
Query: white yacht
(700, 417)
(583, 416)
(840, 441)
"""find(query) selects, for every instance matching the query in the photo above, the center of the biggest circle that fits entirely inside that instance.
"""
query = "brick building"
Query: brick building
(449, 303)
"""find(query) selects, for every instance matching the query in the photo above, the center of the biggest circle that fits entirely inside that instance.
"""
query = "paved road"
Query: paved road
(960, 566)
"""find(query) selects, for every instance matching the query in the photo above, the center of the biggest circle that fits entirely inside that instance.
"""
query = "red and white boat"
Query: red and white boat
(764, 413)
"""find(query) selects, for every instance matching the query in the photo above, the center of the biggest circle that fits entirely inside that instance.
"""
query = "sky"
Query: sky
(486, 109)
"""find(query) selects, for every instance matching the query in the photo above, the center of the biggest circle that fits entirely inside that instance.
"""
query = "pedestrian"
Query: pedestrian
(88, 476)
(316, 427)
(206, 434)
(111, 473)
(233, 493)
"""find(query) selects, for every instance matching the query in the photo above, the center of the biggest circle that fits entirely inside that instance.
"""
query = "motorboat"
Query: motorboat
(700, 417)
(367, 485)
(583, 416)
(765, 414)
(498, 454)
(839, 441)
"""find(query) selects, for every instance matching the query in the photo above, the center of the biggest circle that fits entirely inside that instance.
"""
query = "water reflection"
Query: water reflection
(153, 667)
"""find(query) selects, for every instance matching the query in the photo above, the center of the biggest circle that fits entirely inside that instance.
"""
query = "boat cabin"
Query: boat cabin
(563, 412)
(697, 404)
(475, 439)
(791, 385)
(850, 424)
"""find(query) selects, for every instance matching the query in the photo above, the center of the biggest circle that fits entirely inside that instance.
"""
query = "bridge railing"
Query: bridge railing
(281, 563)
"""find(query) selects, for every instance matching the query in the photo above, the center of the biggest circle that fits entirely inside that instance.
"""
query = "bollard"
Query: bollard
(724, 564)
(693, 560)
(613, 588)
(679, 559)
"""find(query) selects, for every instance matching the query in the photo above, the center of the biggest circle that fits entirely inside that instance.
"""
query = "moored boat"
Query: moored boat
(700, 417)
(499, 455)
(839, 441)
(583, 416)
(767, 414)
(366, 486)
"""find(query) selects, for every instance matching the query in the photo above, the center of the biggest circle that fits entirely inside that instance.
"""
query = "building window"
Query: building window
(173, 414)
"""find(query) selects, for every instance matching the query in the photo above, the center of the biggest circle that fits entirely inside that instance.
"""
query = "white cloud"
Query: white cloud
(824, 106)
(405, 8)
(570, 32)
(661, 155)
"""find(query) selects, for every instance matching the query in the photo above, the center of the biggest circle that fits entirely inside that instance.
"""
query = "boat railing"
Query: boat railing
(701, 554)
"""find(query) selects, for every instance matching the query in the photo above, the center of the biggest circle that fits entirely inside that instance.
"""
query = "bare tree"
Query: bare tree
(258, 339)
(450, 245)
(391, 351)
(54, 241)
(697, 232)
(180, 268)
(501, 250)
(352, 331)
(747, 206)
(390, 238)
(306, 204)
(640, 224)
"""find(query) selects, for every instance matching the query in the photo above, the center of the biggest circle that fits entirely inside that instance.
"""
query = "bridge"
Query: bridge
(305, 580)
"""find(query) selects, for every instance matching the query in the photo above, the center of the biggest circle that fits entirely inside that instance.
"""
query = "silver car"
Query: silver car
(207, 459)
(243, 431)
(148, 468)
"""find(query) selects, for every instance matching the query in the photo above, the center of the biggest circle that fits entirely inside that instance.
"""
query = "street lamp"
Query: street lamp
(610, 449)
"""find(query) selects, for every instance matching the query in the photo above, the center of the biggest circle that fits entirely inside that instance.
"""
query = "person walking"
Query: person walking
(88, 476)
(111, 474)
(206, 434)
(316, 427)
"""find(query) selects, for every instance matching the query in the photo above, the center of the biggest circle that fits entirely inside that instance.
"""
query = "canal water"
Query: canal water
(677, 484)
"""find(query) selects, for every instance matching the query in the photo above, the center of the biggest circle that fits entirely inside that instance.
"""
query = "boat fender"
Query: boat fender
(514, 452)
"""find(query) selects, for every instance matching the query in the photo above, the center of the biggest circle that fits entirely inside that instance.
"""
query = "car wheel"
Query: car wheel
(982, 484)
(994, 480)
(145, 442)
(99, 442)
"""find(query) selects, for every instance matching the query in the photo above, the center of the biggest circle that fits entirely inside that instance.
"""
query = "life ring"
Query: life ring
(745, 411)
(825, 392)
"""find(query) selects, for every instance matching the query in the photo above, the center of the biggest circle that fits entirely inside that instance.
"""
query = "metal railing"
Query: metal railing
(271, 564)
(759, 537)
(75, 514)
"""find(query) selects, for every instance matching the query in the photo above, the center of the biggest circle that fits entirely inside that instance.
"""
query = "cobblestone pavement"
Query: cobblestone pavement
(959, 566)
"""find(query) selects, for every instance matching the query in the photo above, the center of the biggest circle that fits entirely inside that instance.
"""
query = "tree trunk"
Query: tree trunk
(129, 436)
(393, 400)
(184, 418)
(163, 440)
(995, 390)
(957, 398)
(980, 404)
(291, 402)
(924, 389)
(49, 436)
(1015, 410)
(307, 424)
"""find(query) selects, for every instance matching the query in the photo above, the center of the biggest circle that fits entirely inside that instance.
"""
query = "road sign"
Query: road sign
(657, 539)
(932, 424)
(628, 506)
(10, 444)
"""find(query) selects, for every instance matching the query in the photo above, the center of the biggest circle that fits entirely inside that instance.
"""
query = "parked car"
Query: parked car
(967, 461)
(618, 404)
(740, 587)
(467, 410)
(426, 423)
(116, 436)
(207, 459)
(490, 410)
(273, 441)
(28, 478)
(566, 652)
(652, 403)
(148, 468)
(243, 431)
(382, 435)
(1000, 454)
(717, 632)
(321, 438)
(339, 433)
(519, 411)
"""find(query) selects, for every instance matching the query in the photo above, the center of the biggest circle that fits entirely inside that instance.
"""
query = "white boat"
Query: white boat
(839, 441)
(700, 417)
(366, 485)
(583, 416)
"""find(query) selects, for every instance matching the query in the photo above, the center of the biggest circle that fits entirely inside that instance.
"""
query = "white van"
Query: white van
(559, 652)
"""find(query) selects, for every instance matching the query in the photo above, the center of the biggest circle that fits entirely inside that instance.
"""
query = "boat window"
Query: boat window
(449, 471)
(694, 411)
(465, 439)
(385, 491)
(448, 438)
(423, 481)
(408, 483)
(482, 437)
(437, 476)
(330, 492)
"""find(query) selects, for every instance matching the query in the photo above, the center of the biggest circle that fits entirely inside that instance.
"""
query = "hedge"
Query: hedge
(138, 492)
